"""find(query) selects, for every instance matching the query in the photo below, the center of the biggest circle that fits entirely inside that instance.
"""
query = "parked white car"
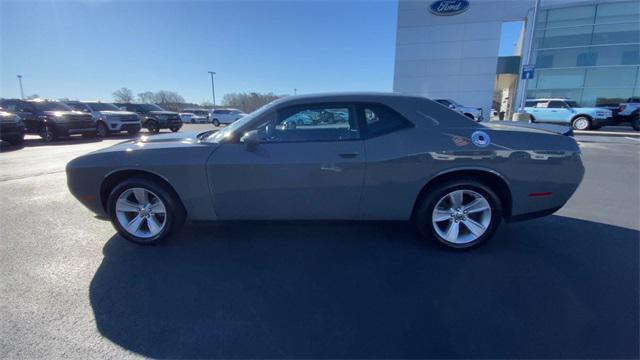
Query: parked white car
(192, 118)
(471, 112)
(225, 116)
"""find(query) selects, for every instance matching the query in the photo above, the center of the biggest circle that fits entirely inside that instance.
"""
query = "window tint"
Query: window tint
(323, 123)
(78, 106)
(530, 104)
(222, 112)
(556, 104)
(382, 120)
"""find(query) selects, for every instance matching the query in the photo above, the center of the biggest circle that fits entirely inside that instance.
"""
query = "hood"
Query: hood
(157, 142)
(65, 113)
(116, 112)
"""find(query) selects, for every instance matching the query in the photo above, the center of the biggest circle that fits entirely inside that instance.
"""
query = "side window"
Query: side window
(542, 104)
(78, 107)
(530, 104)
(315, 123)
(10, 106)
(381, 120)
(556, 104)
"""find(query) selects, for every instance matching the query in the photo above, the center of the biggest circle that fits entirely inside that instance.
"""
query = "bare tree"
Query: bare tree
(32, 97)
(146, 97)
(248, 102)
(123, 95)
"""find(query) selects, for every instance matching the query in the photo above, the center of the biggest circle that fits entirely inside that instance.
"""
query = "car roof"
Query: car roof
(549, 99)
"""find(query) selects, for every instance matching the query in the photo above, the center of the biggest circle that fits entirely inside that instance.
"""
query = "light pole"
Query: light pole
(295, 91)
(523, 96)
(213, 89)
(21, 91)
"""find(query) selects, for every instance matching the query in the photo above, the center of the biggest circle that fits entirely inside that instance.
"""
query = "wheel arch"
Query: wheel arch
(115, 177)
(491, 178)
(582, 115)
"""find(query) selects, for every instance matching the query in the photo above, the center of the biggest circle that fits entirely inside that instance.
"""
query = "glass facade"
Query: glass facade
(587, 53)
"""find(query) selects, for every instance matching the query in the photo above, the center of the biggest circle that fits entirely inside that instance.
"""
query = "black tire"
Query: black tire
(175, 129)
(101, 129)
(576, 124)
(216, 122)
(152, 127)
(48, 133)
(423, 216)
(635, 122)
(16, 140)
(532, 120)
(193, 121)
(175, 213)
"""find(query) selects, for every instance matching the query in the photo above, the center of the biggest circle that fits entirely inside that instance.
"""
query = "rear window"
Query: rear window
(382, 120)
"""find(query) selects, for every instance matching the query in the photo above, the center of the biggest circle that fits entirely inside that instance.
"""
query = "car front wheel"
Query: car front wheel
(144, 211)
(581, 123)
(47, 133)
(153, 127)
(635, 122)
(459, 214)
(216, 122)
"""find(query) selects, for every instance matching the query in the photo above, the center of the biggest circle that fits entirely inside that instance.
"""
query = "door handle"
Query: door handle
(349, 155)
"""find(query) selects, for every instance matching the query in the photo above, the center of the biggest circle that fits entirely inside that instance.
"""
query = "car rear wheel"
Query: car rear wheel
(459, 214)
(216, 122)
(47, 133)
(581, 123)
(153, 127)
(144, 211)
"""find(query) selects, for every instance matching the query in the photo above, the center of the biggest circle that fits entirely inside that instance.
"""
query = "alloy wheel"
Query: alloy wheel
(141, 213)
(461, 216)
(581, 124)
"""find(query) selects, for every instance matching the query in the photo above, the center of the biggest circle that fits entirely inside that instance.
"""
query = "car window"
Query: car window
(530, 104)
(313, 123)
(382, 120)
(78, 106)
(542, 104)
(443, 102)
(555, 104)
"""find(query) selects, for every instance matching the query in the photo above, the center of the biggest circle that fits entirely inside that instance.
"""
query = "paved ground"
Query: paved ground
(562, 286)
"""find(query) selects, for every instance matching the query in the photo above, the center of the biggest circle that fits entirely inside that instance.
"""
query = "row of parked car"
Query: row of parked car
(565, 111)
(53, 119)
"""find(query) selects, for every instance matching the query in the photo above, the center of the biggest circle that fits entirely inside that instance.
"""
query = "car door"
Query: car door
(558, 111)
(297, 171)
(539, 112)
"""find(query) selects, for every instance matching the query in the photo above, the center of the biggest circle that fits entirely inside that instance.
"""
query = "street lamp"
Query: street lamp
(213, 89)
(21, 91)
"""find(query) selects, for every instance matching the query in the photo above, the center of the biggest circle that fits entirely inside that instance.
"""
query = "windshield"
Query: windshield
(51, 106)
(151, 107)
(102, 106)
(238, 124)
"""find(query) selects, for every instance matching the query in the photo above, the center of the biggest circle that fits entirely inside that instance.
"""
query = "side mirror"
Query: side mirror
(251, 139)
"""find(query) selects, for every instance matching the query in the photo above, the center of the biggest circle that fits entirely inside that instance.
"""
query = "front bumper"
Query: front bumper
(124, 126)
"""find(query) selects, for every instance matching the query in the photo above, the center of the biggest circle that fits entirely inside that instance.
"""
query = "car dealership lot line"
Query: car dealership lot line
(565, 285)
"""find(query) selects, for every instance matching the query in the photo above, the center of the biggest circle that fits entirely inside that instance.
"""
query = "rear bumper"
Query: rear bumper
(74, 128)
(533, 215)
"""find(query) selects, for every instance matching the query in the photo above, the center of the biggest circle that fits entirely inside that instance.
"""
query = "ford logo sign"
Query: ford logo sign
(448, 7)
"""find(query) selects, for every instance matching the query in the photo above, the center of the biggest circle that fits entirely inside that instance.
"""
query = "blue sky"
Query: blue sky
(88, 49)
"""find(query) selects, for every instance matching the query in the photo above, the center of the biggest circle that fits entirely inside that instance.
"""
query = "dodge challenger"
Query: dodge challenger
(356, 156)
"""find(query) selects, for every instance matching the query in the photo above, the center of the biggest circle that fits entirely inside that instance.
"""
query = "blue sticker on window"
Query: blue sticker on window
(480, 139)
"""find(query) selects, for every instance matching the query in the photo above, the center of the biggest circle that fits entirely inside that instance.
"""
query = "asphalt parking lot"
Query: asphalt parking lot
(562, 286)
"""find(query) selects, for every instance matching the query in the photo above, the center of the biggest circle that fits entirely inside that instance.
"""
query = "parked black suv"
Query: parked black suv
(154, 117)
(50, 119)
(11, 128)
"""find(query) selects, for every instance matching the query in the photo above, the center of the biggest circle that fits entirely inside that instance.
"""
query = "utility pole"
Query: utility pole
(523, 96)
(213, 89)
(295, 91)
(21, 91)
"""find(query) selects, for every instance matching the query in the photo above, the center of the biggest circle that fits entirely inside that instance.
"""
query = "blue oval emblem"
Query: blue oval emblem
(448, 7)
(480, 139)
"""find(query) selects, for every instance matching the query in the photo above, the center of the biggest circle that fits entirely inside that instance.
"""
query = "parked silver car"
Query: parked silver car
(376, 157)
(109, 118)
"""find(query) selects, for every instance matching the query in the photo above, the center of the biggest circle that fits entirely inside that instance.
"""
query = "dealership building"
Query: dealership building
(586, 51)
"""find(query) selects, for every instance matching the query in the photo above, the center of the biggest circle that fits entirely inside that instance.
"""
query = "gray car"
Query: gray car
(380, 157)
